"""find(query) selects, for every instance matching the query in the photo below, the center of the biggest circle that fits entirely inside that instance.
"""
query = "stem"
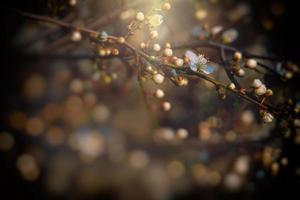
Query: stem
(158, 63)
(227, 69)
(56, 22)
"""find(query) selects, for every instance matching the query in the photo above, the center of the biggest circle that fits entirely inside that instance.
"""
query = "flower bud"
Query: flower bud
(158, 78)
(76, 36)
(182, 133)
(237, 56)
(102, 52)
(269, 93)
(256, 83)
(115, 52)
(267, 117)
(168, 45)
(251, 63)
(261, 90)
(240, 72)
(153, 34)
(166, 106)
(72, 2)
(166, 6)
(182, 81)
(231, 86)
(121, 40)
(140, 16)
(103, 37)
(168, 52)
(108, 52)
(159, 93)
(156, 47)
(179, 62)
(142, 45)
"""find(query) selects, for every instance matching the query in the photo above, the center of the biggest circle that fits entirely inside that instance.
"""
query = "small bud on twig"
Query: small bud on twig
(159, 93)
(251, 63)
(76, 36)
(156, 47)
(158, 78)
(166, 106)
(140, 16)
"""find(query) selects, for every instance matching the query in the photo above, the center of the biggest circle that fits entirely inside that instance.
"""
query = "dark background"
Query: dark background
(284, 42)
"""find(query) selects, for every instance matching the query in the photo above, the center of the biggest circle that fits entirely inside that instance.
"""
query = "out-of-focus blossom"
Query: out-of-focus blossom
(230, 36)
(155, 20)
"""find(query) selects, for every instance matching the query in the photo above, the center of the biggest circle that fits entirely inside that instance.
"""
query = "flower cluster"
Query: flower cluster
(174, 79)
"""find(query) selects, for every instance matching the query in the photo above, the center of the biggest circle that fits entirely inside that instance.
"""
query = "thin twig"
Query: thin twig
(158, 63)
(227, 69)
